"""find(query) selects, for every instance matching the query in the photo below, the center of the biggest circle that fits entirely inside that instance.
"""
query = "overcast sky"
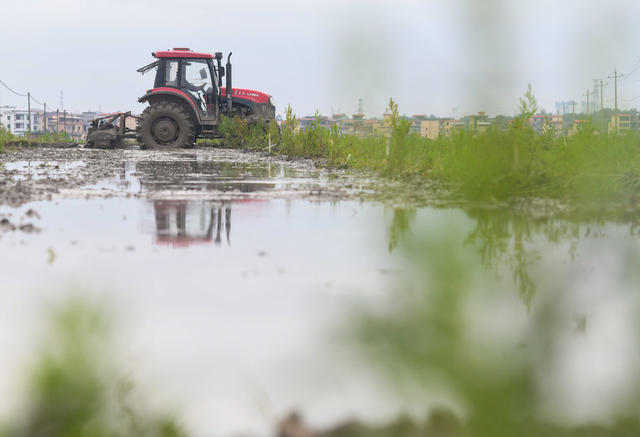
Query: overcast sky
(429, 55)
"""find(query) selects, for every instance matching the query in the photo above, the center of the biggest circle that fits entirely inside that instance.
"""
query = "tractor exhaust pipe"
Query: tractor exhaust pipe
(229, 89)
(220, 72)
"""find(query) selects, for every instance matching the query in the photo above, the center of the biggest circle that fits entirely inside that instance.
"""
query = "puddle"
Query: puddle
(223, 301)
(152, 177)
(223, 268)
(36, 170)
(231, 276)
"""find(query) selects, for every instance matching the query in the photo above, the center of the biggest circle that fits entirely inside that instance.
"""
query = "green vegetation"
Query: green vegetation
(5, 137)
(507, 240)
(448, 329)
(502, 164)
(53, 137)
(74, 389)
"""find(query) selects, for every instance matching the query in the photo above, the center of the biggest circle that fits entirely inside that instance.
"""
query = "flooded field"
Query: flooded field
(245, 287)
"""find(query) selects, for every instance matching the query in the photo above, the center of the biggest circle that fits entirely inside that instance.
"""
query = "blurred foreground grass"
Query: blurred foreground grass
(73, 388)
(450, 326)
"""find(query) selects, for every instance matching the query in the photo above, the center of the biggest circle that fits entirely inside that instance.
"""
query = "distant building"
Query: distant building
(7, 117)
(433, 128)
(576, 127)
(456, 126)
(478, 123)
(17, 120)
(620, 122)
(65, 122)
(416, 123)
(539, 123)
(305, 123)
(358, 125)
(482, 126)
(557, 124)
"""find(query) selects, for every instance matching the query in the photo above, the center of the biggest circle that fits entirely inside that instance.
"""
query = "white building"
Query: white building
(17, 120)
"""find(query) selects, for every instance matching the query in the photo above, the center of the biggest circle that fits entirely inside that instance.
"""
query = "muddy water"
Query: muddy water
(227, 275)
(231, 276)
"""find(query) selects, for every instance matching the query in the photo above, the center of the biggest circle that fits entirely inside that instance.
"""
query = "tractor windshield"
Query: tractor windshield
(196, 75)
(196, 79)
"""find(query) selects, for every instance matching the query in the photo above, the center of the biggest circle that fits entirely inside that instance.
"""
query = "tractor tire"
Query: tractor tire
(166, 125)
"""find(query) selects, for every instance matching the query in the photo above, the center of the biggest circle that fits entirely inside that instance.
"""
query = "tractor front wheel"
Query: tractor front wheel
(166, 125)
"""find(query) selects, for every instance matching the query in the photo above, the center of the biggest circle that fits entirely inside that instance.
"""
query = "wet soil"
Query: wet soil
(39, 144)
(44, 173)
(68, 171)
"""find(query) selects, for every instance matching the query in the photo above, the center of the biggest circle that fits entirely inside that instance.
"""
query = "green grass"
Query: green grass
(498, 165)
(5, 137)
(428, 336)
(74, 388)
(9, 139)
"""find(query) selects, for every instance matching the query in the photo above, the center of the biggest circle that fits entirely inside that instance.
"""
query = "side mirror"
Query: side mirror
(221, 71)
(203, 73)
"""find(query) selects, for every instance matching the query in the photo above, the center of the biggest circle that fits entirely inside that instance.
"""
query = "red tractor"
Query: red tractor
(185, 104)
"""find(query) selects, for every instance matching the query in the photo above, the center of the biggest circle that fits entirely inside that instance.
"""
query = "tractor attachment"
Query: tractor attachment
(109, 131)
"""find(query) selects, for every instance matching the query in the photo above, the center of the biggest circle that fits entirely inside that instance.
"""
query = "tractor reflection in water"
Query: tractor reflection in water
(181, 223)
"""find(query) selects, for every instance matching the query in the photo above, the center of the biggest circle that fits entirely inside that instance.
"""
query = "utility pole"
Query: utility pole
(587, 101)
(602, 105)
(615, 77)
(29, 113)
(64, 121)
(573, 106)
(57, 120)
(45, 118)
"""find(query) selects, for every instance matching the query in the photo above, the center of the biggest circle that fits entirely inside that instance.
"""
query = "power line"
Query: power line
(629, 74)
(22, 95)
(36, 100)
(14, 92)
(633, 70)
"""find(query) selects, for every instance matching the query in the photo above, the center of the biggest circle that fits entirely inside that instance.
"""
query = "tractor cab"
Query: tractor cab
(190, 74)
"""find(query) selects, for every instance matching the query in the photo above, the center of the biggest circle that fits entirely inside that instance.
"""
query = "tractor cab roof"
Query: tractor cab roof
(181, 52)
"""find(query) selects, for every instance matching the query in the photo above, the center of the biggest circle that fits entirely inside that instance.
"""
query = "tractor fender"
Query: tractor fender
(160, 93)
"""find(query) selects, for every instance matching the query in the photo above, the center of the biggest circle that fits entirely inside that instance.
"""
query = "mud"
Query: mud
(46, 173)
(22, 224)
(45, 144)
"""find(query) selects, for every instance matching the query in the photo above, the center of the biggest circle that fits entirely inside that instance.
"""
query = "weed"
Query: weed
(5, 137)
(74, 390)
(431, 337)
(502, 164)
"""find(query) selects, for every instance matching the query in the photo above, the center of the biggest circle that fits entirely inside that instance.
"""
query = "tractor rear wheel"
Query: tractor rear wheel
(166, 125)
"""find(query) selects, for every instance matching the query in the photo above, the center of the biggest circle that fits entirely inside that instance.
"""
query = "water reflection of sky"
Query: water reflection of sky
(229, 328)
(219, 325)
(40, 169)
(199, 175)
(228, 301)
